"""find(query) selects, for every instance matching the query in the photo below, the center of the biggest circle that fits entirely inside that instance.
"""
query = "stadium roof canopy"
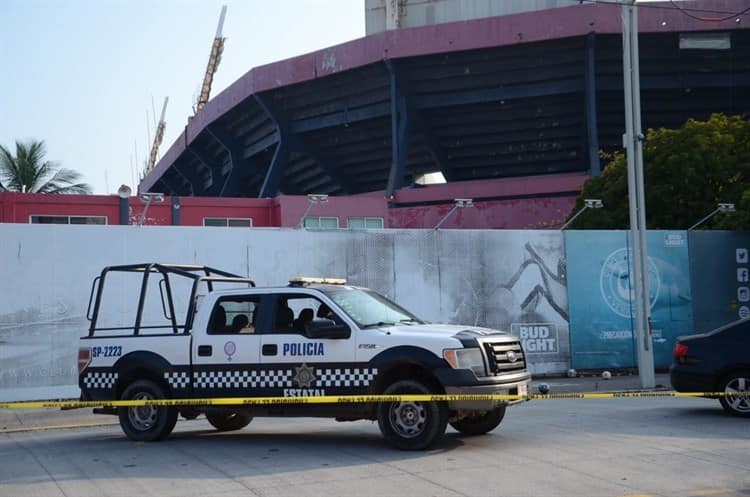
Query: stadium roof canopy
(518, 95)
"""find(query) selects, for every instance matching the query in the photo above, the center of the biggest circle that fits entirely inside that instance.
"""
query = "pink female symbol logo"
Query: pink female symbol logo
(229, 349)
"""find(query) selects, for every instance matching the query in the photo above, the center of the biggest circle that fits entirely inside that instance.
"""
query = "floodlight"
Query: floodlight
(459, 203)
(588, 203)
(722, 207)
(124, 191)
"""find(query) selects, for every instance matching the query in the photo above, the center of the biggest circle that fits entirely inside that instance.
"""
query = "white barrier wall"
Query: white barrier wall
(511, 280)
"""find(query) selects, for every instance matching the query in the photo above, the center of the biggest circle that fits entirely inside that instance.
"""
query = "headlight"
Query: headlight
(465, 359)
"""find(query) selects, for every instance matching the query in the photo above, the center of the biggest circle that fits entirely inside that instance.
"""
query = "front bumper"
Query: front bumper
(464, 382)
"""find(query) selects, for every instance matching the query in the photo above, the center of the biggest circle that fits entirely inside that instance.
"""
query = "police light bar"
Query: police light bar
(304, 280)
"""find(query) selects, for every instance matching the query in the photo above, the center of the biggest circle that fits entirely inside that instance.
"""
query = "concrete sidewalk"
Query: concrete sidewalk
(618, 383)
(12, 420)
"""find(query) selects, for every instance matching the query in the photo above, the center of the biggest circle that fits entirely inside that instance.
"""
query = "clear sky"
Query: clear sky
(81, 74)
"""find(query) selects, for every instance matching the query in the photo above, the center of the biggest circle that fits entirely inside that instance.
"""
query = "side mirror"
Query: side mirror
(326, 328)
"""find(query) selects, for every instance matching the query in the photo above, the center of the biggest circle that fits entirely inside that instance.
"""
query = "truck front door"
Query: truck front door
(310, 366)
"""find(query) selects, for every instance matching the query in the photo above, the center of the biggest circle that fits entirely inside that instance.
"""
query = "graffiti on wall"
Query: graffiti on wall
(514, 281)
(550, 287)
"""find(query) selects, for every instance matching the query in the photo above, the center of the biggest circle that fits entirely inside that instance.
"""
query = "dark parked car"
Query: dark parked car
(717, 361)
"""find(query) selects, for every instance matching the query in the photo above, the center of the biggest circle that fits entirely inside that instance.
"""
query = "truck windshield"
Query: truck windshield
(370, 309)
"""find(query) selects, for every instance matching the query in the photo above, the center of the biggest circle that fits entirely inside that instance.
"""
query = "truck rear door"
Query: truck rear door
(226, 355)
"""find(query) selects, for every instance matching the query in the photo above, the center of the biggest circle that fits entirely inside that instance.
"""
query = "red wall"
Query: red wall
(194, 209)
(538, 213)
(17, 207)
(532, 202)
(539, 202)
(292, 207)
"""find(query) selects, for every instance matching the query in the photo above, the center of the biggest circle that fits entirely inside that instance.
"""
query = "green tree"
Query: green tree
(28, 171)
(687, 171)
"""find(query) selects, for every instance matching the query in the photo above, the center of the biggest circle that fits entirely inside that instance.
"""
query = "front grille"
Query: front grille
(504, 354)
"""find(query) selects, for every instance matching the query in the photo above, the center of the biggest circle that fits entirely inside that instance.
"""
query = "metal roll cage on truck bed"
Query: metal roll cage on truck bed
(196, 273)
(315, 337)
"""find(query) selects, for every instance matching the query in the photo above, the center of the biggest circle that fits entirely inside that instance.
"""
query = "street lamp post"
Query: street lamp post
(459, 204)
(633, 142)
(719, 208)
(312, 199)
(589, 203)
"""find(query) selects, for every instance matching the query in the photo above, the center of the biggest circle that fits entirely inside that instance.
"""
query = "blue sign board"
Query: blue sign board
(601, 297)
(720, 272)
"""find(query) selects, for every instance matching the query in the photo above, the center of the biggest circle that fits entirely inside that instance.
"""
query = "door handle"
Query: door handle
(205, 350)
(270, 349)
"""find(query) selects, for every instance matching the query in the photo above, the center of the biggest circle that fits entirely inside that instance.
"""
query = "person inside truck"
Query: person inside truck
(284, 317)
(241, 324)
(324, 312)
(305, 316)
(218, 323)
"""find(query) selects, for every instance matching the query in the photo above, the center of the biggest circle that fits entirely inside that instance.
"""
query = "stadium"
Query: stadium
(532, 96)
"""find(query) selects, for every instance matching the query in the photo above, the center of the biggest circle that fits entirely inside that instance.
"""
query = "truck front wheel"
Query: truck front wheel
(411, 425)
(146, 423)
(228, 421)
(479, 425)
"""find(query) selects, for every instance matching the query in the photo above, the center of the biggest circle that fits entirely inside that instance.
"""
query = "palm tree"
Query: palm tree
(29, 172)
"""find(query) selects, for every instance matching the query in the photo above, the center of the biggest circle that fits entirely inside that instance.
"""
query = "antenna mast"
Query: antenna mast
(213, 63)
(158, 137)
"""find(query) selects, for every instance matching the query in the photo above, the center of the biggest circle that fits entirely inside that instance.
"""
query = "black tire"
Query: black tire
(479, 425)
(228, 421)
(736, 386)
(411, 425)
(148, 423)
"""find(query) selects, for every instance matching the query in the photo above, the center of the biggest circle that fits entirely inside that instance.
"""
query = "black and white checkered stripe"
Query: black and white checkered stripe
(243, 379)
(100, 380)
(177, 379)
(346, 377)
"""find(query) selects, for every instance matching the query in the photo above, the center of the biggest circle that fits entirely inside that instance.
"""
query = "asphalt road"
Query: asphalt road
(614, 447)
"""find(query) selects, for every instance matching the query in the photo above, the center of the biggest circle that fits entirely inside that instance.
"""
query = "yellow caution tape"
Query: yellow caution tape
(350, 399)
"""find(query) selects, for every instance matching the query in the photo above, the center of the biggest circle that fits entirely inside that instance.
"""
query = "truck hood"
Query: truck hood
(441, 330)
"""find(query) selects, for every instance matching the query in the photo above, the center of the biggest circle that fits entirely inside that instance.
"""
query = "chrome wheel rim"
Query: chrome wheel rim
(408, 419)
(143, 418)
(738, 395)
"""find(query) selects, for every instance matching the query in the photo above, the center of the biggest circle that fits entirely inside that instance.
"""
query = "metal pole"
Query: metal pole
(646, 371)
(438, 225)
(574, 217)
(142, 219)
(307, 211)
(715, 211)
(636, 198)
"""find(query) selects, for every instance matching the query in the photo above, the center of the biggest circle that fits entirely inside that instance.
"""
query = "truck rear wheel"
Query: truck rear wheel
(229, 421)
(479, 425)
(411, 425)
(146, 423)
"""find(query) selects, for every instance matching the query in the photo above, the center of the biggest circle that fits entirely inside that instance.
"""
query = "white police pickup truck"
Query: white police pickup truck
(310, 338)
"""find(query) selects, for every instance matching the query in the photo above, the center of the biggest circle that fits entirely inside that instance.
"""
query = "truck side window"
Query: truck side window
(293, 312)
(233, 315)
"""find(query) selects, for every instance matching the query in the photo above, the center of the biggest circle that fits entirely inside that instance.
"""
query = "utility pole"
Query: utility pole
(633, 142)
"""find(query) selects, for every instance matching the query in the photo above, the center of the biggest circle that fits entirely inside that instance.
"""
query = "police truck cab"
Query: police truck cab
(313, 337)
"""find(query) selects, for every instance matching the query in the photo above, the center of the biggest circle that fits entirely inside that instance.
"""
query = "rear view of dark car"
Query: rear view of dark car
(717, 361)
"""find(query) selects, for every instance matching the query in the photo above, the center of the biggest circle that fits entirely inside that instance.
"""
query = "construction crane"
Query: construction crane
(213, 63)
(158, 137)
